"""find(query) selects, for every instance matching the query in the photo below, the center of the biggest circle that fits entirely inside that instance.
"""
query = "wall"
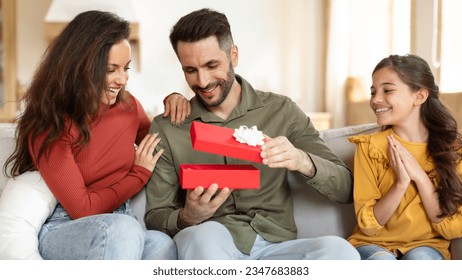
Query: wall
(282, 46)
(30, 40)
(278, 44)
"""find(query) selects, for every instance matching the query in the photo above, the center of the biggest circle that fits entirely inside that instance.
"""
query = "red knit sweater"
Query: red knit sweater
(101, 176)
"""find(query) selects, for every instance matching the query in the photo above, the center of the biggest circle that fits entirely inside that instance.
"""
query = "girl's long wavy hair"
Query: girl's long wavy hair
(444, 139)
(67, 86)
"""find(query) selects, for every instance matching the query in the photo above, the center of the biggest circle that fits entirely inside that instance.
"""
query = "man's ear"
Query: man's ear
(421, 96)
(234, 55)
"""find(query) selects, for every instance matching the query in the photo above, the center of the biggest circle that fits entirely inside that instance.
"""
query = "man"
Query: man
(212, 223)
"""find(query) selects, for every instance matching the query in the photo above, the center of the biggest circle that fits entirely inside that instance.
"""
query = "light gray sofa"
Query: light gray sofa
(315, 215)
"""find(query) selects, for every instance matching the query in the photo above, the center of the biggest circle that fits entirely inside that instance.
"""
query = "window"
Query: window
(451, 43)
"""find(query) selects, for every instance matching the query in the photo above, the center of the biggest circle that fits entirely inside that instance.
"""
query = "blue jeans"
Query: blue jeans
(212, 241)
(374, 252)
(112, 236)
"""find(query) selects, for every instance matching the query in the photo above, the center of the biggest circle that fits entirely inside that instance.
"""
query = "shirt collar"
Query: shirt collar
(249, 101)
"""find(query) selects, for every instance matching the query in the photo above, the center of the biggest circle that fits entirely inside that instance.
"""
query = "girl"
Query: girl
(408, 188)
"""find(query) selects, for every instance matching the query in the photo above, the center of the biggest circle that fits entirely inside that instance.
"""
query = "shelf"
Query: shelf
(61, 12)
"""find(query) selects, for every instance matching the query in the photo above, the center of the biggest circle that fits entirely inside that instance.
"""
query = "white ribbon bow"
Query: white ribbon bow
(250, 136)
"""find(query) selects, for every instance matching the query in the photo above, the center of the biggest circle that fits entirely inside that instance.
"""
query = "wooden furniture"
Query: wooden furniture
(9, 104)
(61, 12)
(321, 120)
(358, 110)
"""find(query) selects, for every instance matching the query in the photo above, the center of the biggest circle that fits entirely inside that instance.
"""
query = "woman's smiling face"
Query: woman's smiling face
(117, 71)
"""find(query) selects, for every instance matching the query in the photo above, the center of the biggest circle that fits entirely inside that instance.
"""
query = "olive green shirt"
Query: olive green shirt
(267, 211)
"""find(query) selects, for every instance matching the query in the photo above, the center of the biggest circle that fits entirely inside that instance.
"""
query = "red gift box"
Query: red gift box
(233, 176)
(220, 140)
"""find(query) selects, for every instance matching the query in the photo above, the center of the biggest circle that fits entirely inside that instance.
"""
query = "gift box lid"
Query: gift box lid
(220, 140)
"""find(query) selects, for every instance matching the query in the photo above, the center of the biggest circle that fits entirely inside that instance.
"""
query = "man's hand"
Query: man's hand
(178, 107)
(280, 153)
(201, 204)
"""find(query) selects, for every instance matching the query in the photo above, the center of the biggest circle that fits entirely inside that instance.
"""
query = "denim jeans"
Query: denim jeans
(374, 252)
(212, 241)
(112, 236)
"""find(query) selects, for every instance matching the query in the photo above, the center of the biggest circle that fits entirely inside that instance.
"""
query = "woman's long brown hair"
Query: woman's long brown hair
(67, 86)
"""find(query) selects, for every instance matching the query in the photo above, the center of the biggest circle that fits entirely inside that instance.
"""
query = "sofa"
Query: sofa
(315, 215)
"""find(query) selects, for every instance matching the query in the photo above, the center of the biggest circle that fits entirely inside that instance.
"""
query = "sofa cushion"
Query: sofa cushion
(315, 214)
(25, 204)
(337, 140)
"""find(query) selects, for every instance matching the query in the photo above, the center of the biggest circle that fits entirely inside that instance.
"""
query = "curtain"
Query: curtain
(359, 35)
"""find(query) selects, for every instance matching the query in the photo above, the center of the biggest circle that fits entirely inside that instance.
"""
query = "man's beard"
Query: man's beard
(225, 86)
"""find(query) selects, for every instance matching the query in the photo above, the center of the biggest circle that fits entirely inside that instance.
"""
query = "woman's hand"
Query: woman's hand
(144, 153)
(178, 107)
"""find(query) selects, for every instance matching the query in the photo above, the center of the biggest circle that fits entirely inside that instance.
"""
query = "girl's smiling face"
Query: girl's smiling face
(392, 101)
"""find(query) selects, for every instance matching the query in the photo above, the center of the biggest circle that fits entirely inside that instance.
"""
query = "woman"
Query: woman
(79, 129)
(408, 187)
